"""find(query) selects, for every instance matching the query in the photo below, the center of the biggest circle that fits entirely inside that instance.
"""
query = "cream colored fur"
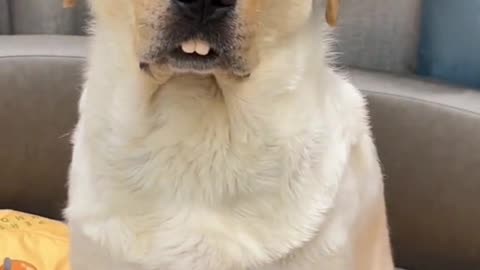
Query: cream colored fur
(274, 172)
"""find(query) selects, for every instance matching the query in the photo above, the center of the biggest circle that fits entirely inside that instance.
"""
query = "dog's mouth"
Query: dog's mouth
(197, 53)
(194, 55)
(197, 49)
(190, 56)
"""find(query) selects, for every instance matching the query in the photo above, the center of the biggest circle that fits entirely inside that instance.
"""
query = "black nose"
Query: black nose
(205, 10)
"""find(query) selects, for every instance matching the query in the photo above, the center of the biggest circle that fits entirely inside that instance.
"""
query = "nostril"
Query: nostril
(188, 2)
(224, 3)
(204, 10)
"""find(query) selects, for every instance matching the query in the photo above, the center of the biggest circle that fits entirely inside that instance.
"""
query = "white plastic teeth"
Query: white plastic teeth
(196, 46)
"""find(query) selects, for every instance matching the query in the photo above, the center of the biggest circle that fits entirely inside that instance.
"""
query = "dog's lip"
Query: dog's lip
(179, 55)
(178, 59)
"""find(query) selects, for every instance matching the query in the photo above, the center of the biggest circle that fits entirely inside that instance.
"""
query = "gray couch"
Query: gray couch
(427, 132)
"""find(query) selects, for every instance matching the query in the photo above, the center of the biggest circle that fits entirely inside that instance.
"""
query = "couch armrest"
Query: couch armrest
(40, 79)
(428, 138)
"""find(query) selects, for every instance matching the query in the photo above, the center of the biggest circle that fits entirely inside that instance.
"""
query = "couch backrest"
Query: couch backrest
(379, 34)
(40, 80)
(41, 17)
(4, 18)
(373, 34)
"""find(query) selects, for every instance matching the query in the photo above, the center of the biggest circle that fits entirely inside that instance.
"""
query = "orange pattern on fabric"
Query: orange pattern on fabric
(17, 265)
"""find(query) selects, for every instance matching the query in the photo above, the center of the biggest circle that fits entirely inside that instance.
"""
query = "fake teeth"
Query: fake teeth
(196, 46)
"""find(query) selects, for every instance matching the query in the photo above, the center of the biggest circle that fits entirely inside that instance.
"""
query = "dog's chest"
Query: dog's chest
(204, 201)
(205, 181)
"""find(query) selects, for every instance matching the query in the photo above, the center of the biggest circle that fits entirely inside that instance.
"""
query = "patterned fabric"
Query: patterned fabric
(31, 242)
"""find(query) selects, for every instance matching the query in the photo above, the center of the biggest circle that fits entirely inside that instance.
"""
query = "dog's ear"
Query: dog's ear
(332, 9)
(69, 3)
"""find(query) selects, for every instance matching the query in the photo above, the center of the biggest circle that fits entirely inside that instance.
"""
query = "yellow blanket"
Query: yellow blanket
(29, 242)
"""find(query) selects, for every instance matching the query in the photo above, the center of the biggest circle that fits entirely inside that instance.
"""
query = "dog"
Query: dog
(215, 135)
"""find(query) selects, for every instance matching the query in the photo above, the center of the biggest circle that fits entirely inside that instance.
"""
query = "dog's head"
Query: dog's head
(202, 36)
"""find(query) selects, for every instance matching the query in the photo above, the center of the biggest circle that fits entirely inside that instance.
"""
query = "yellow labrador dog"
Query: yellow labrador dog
(214, 136)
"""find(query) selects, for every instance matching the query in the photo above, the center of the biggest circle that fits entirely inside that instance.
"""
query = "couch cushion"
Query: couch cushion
(426, 134)
(428, 137)
(39, 82)
(445, 52)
